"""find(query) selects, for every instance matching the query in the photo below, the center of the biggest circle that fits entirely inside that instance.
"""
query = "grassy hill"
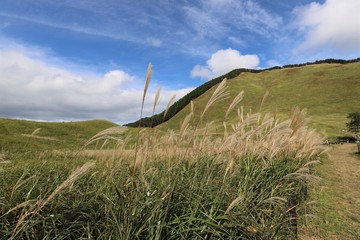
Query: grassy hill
(328, 91)
(29, 136)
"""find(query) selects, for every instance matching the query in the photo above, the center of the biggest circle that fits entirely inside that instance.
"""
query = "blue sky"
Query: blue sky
(85, 59)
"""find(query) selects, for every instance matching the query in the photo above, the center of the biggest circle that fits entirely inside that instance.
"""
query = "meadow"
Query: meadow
(244, 175)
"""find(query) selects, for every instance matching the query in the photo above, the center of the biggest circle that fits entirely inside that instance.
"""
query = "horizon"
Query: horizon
(323, 61)
(75, 61)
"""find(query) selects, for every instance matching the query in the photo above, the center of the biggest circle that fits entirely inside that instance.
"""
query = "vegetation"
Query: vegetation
(164, 116)
(247, 180)
(354, 126)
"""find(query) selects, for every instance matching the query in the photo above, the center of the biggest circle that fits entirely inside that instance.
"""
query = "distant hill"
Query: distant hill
(183, 102)
(328, 90)
(30, 136)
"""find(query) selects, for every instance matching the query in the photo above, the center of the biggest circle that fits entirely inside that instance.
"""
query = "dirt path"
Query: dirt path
(337, 196)
(347, 169)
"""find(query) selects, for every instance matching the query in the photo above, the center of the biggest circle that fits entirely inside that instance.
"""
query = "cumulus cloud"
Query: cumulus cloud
(334, 23)
(224, 61)
(32, 89)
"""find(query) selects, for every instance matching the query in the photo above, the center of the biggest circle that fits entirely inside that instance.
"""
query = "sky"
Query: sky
(87, 59)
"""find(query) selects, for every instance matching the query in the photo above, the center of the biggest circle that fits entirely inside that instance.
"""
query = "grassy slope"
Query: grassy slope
(68, 135)
(328, 91)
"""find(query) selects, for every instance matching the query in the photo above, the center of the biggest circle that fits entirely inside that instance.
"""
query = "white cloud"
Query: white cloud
(32, 89)
(334, 23)
(224, 61)
(202, 72)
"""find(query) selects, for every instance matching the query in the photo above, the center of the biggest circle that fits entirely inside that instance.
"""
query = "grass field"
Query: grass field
(189, 184)
(246, 175)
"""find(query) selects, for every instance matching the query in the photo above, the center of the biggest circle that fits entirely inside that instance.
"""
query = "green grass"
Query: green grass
(187, 201)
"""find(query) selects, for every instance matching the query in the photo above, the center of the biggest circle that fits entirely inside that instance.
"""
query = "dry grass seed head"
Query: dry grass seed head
(147, 82)
(107, 133)
(170, 103)
(263, 100)
(219, 94)
(235, 202)
(234, 103)
(157, 96)
(36, 131)
(298, 119)
(185, 124)
(69, 181)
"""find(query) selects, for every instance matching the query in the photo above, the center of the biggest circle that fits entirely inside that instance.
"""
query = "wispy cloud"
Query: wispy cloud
(73, 27)
(143, 24)
(4, 25)
(211, 18)
(177, 25)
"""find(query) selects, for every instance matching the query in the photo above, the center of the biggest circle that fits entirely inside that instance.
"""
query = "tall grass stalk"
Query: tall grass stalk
(219, 94)
(169, 105)
(147, 83)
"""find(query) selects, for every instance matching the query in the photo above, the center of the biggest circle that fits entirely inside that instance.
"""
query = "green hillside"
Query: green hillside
(328, 91)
